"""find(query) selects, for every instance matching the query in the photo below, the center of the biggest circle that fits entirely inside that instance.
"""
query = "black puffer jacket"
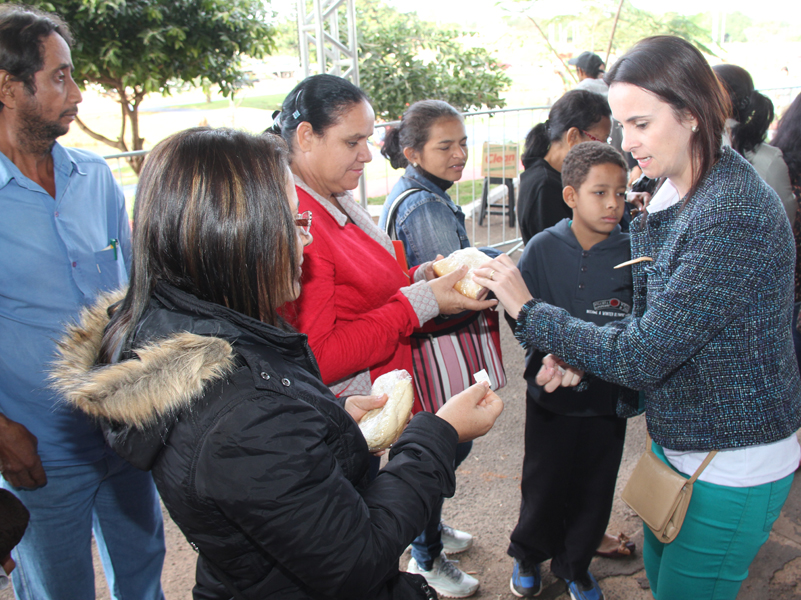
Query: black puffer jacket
(258, 464)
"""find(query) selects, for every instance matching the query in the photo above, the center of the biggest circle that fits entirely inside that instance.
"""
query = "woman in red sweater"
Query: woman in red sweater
(357, 305)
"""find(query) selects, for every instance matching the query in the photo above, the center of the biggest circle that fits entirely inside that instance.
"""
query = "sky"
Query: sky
(465, 11)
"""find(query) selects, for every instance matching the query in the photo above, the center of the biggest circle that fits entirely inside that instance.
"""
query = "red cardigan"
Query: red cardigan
(350, 305)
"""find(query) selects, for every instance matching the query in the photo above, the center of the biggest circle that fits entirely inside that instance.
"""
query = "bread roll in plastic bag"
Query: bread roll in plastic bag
(381, 427)
(472, 258)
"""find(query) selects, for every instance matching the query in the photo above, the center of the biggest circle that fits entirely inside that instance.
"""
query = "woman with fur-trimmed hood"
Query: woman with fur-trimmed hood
(195, 377)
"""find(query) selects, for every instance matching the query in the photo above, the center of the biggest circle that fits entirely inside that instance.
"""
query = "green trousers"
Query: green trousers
(722, 533)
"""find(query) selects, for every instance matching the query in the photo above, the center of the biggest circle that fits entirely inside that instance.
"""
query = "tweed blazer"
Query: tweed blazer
(709, 341)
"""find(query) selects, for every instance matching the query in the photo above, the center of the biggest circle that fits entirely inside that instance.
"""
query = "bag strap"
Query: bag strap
(649, 445)
(448, 328)
(393, 212)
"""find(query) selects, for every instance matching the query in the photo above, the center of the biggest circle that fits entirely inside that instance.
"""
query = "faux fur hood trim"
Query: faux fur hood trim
(166, 375)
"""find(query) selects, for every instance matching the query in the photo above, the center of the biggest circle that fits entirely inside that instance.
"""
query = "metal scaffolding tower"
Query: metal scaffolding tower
(321, 40)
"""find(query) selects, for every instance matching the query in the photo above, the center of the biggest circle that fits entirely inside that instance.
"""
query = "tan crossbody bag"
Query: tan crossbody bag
(660, 495)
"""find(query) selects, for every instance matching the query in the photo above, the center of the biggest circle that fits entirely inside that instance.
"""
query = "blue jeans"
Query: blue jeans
(428, 545)
(114, 500)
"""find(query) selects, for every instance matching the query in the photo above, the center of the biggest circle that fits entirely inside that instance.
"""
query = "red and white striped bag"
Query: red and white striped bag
(446, 359)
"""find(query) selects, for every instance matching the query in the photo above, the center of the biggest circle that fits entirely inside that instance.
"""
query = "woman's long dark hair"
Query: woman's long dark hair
(788, 139)
(318, 100)
(415, 129)
(577, 108)
(212, 219)
(677, 73)
(752, 110)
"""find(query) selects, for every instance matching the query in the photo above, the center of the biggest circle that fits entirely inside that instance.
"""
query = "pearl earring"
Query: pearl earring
(414, 165)
(694, 128)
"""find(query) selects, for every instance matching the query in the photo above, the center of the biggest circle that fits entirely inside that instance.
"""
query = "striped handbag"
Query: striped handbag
(446, 359)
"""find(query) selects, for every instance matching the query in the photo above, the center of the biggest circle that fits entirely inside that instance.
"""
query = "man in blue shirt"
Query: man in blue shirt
(64, 237)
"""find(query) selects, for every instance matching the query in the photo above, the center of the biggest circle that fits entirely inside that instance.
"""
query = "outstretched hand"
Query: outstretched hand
(473, 412)
(555, 373)
(452, 302)
(502, 276)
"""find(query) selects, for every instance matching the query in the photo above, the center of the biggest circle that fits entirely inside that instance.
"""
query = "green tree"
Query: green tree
(595, 22)
(131, 48)
(403, 59)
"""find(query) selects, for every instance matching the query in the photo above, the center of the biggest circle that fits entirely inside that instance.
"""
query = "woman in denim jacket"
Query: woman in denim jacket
(709, 339)
(431, 143)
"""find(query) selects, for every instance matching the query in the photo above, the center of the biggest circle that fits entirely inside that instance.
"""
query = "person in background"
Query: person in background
(199, 378)
(574, 440)
(709, 340)
(590, 69)
(578, 116)
(788, 140)
(431, 144)
(358, 306)
(746, 129)
(64, 238)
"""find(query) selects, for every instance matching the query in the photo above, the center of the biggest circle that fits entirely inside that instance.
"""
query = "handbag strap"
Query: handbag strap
(393, 212)
(649, 444)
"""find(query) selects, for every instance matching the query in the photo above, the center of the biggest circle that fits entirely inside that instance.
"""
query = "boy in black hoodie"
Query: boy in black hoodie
(574, 440)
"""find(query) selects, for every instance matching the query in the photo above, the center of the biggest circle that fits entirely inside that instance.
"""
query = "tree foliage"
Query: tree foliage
(131, 48)
(403, 59)
(594, 23)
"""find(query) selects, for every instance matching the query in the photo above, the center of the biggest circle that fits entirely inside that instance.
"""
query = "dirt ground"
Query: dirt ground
(487, 503)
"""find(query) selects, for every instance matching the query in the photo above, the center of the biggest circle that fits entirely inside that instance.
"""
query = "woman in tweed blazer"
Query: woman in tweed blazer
(709, 341)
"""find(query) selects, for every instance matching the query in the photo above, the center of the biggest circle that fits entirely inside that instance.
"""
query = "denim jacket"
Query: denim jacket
(427, 222)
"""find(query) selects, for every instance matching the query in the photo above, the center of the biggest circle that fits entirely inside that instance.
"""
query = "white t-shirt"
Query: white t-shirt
(733, 467)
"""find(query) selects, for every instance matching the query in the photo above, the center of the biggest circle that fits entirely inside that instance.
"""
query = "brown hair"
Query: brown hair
(415, 129)
(212, 219)
(677, 73)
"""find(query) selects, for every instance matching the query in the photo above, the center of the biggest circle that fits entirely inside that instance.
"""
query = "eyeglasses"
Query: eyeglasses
(592, 137)
(304, 220)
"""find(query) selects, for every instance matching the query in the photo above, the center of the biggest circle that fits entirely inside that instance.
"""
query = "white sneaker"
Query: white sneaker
(455, 541)
(445, 578)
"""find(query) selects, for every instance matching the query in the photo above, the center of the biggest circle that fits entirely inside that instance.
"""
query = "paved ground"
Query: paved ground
(487, 501)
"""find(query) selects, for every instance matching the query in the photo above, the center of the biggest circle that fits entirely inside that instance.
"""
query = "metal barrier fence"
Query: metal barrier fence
(502, 131)
(488, 202)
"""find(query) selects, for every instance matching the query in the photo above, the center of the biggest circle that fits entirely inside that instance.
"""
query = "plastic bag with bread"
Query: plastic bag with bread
(381, 427)
(470, 257)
